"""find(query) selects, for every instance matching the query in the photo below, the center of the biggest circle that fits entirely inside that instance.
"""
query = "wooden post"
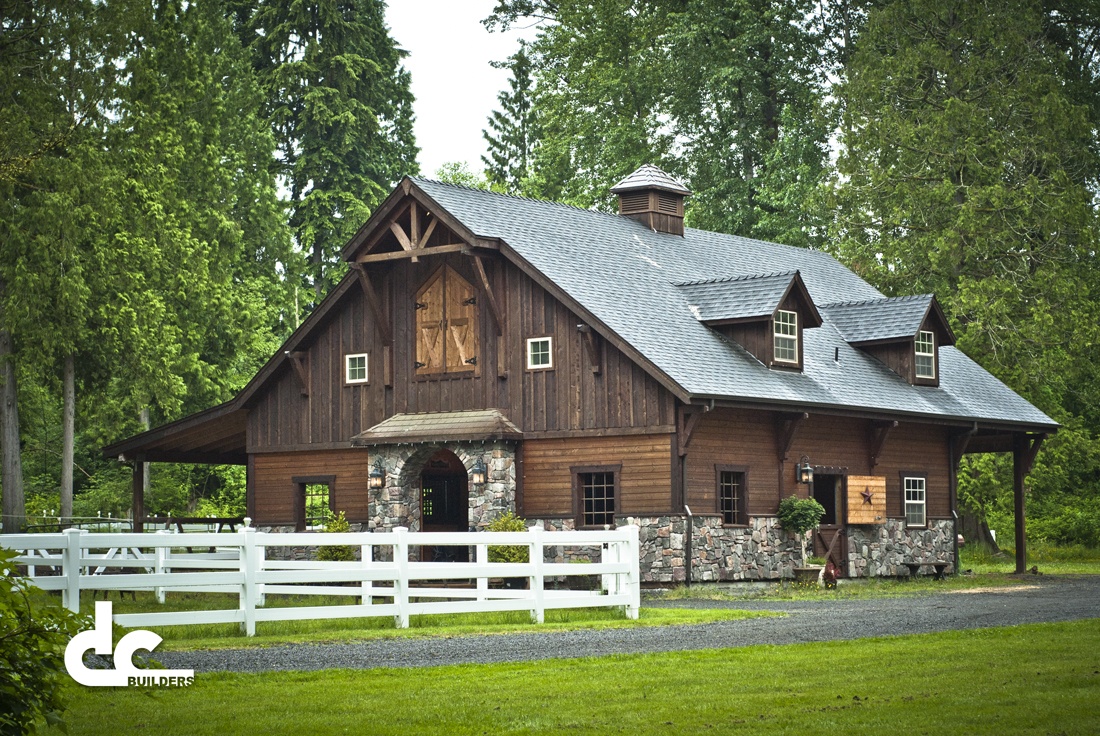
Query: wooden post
(401, 582)
(138, 489)
(538, 587)
(1019, 471)
(249, 568)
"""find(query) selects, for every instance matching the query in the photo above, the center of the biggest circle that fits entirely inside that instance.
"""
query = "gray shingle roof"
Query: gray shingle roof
(649, 176)
(879, 319)
(739, 297)
(625, 274)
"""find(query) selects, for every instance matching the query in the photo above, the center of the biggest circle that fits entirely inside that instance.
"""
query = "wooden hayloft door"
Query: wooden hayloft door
(446, 325)
(830, 539)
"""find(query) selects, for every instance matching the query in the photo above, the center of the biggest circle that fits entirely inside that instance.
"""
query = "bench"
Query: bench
(939, 566)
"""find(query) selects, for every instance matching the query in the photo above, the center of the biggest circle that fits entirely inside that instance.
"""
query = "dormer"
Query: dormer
(654, 198)
(765, 314)
(903, 332)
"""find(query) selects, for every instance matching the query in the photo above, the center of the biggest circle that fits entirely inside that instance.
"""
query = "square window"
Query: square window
(355, 368)
(915, 501)
(785, 327)
(925, 348)
(731, 497)
(597, 496)
(540, 353)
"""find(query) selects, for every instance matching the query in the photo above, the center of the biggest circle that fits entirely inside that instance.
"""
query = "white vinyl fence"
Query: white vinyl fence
(77, 560)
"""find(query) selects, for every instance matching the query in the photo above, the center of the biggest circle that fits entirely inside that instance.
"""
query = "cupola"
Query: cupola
(654, 198)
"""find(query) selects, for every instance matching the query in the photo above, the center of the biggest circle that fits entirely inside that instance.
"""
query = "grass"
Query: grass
(1050, 559)
(222, 636)
(1042, 679)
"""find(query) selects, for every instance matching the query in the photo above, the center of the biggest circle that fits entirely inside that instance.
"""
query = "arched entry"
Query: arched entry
(444, 503)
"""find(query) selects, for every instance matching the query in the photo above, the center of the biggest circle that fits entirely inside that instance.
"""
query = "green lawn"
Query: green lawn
(1042, 679)
(1071, 560)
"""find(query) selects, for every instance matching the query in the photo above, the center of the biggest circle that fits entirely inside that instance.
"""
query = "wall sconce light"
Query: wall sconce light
(377, 476)
(805, 470)
(478, 473)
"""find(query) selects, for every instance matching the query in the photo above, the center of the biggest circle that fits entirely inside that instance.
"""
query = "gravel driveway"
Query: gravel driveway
(1046, 599)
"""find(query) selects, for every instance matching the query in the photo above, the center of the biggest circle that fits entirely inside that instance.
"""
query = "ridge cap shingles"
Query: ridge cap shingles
(879, 300)
(731, 279)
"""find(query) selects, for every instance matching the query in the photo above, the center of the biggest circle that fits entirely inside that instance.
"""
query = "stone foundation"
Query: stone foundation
(882, 551)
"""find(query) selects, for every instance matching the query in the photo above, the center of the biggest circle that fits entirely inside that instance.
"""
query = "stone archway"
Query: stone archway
(397, 503)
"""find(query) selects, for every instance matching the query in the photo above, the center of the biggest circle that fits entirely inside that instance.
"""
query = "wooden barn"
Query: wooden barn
(489, 353)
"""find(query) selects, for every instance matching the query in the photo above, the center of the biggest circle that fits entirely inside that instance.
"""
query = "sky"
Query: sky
(455, 88)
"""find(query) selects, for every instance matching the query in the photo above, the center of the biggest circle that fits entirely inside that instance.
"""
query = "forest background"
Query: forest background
(177, 178)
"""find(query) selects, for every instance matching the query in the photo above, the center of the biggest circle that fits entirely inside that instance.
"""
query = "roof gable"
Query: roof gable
(746, 298)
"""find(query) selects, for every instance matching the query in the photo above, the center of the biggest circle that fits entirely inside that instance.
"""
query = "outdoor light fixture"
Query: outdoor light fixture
(478, 473)
(377, 477)
(805, 470)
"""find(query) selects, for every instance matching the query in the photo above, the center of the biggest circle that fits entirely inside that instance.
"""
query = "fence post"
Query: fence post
(538, 587)
(401, 581)
(70, 562)
(248, 585)
(632, 579)
(162, 555)
(366, 557)
(481, 557)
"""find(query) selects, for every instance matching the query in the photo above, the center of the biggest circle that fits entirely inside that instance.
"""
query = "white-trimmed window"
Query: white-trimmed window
(355, 368)
(786, 336)
(540, 353)
(926, 354)
(914, 501)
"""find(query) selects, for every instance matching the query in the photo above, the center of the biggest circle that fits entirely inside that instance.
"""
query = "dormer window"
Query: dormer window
(925, 346)
(785, 328)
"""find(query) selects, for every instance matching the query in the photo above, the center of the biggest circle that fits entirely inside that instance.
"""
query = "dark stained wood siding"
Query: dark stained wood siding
(570, 398)
(645, 480)
(276, 493)
(898, 357)
(748, 438)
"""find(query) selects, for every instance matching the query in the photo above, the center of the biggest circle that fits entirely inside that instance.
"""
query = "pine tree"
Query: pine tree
(338, 100)
(513, 130)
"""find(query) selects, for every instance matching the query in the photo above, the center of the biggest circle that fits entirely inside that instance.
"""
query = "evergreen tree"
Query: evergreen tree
(338, 100)
(513, 130)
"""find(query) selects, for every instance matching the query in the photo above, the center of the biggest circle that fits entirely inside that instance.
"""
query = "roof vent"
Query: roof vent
(651, 196)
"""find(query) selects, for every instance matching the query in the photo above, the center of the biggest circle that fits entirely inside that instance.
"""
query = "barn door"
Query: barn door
(446, 325)
(831, 539)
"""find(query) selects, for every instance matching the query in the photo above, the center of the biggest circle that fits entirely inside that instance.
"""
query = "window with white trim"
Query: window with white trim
(915, 501)
(925, 346)
(540, 353)
(355, 368)
(785, 326)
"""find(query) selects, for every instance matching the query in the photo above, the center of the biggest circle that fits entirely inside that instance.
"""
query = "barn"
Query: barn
(488, 353)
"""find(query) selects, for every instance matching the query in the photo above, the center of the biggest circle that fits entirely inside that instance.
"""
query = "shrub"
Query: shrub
(33, 637)
(508, 522)
(337, 524)
(798, 516)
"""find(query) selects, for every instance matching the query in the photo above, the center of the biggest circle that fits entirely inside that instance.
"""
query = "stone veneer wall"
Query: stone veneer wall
(879, 551)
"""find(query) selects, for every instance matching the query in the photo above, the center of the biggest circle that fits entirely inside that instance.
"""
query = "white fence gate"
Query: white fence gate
(77, 560)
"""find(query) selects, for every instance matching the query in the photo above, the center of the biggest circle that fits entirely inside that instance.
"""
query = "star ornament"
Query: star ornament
(866, 493)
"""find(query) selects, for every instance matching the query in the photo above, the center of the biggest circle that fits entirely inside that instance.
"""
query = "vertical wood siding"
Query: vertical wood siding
(570, 397)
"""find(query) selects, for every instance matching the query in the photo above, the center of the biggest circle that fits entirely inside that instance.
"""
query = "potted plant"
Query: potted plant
(798, 516)
(509, 522)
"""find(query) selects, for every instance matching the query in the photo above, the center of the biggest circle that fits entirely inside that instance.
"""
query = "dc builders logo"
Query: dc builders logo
(125, 673)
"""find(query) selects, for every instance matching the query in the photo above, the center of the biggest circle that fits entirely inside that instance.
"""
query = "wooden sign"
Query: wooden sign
(866, 499)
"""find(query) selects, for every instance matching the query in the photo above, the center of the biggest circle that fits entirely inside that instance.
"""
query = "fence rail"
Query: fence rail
(398, 586)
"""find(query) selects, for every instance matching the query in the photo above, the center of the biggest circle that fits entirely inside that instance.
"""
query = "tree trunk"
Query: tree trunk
(15, 515)
(976, 531)
(68, 429)
(145, 425)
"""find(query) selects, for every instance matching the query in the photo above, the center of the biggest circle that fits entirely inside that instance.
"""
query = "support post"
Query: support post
(482, 558)
(1019, 471)
(161, 564)
(70, 562)
(366, 557)
(401, 582)
(633, 578)
(248, 585)
(538, 587)
(138, 495)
